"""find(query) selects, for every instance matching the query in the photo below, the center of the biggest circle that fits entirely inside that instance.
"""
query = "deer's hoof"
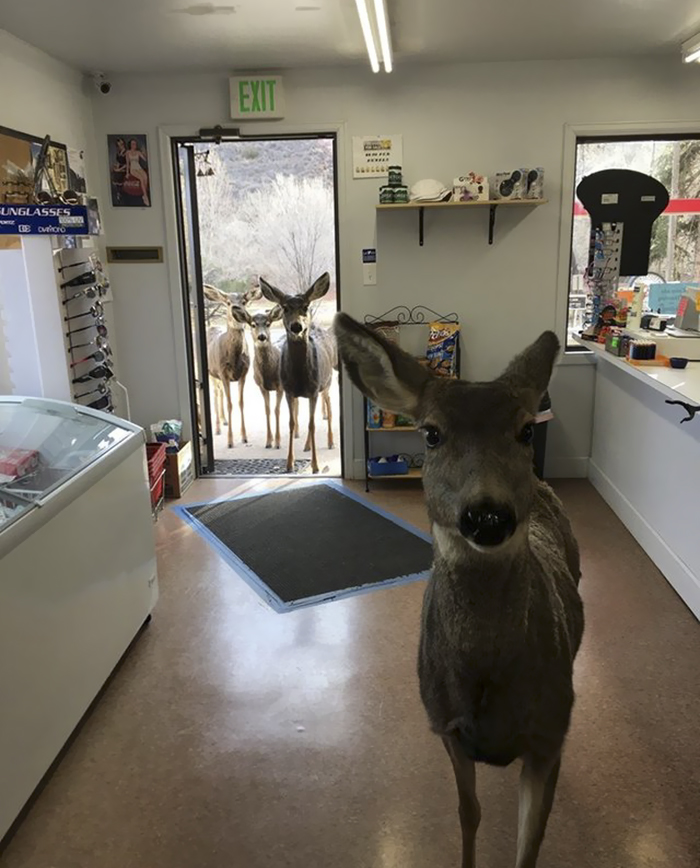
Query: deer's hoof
(314, 469)
(268, 446)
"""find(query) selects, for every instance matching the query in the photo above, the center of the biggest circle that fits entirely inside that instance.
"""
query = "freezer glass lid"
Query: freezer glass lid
(43, 444)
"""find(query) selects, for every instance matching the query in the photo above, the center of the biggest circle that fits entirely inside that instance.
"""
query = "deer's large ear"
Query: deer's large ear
(319, 289)
(530, 371)
(380, 369)
(274, 314)
(214, 294)
(252, 294)
(240, 314)
(271, 292)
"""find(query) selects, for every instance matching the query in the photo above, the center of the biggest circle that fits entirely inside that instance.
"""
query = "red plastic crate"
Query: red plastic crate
(155, 453)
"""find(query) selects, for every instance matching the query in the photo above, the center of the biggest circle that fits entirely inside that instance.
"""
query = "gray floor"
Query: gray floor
(233, 736)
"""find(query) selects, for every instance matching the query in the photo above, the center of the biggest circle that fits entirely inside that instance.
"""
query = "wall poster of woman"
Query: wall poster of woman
(129, 171)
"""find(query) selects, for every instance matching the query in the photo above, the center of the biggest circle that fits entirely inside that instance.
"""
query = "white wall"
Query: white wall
(487, 117)
(40, 95)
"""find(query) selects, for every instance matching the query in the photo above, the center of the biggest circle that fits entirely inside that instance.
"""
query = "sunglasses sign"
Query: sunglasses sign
(257, 97)
(43, 220)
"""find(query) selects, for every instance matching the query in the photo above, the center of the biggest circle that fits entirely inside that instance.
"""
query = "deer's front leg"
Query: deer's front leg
(312, 433)
(296, 417)
(277, 419)
(469, 808)
(229, 407)
(217, 429)
(538, 781)
(329, 416)
(266, 399)
(292, 427)
(241, 386)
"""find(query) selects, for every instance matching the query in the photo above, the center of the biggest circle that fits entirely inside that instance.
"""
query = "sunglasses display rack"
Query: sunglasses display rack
(84, 290)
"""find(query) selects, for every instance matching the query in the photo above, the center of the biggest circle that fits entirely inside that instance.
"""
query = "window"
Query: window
(675, 242)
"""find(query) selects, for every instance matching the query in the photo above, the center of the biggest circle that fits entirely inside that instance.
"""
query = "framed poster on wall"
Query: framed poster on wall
(18, 158)
(372, 155)
(130, 180)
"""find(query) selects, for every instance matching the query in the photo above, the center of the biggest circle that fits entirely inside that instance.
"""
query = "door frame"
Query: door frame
(168, 136)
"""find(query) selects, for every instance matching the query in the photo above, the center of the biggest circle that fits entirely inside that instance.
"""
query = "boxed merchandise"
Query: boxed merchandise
(535, 183)
(390, 465)
(179, 471)
(18, 462)
(374, 415)
(510, 185)
(471, 187)
(168, 431)
(442, 348)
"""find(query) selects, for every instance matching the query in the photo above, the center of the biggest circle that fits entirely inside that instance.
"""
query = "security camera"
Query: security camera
(101, 82)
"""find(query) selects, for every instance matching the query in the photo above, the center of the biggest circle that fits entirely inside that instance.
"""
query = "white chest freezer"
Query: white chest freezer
(77, 575)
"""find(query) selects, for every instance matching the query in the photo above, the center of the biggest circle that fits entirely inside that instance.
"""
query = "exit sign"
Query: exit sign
(256, 97)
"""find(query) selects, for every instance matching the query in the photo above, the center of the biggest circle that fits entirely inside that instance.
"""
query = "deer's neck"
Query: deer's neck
(480, 588)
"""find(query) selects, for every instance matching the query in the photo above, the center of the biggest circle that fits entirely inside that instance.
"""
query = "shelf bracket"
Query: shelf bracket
(492, 221)
(420, 226)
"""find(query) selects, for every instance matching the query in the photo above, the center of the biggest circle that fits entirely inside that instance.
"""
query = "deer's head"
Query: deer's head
(478, 474)
(295, 308)
(232, 300)
(260, 323)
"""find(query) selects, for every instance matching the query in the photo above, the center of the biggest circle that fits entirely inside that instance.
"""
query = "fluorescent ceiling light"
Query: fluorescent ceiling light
(376, 31)
(384, 35)
(363, 12)
(691, 49)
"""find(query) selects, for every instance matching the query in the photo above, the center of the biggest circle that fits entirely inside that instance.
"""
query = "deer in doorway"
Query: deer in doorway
(502, 617)
(308, 358)
(266, 362)
(227, 355)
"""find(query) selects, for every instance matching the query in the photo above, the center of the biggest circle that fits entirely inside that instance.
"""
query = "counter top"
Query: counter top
(675, 383)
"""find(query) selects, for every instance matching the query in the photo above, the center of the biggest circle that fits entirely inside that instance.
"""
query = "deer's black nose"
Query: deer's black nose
(262, 337)
(487, 524)
(295, 327)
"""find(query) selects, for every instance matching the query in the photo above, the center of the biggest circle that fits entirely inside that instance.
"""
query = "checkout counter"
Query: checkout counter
(645, 461)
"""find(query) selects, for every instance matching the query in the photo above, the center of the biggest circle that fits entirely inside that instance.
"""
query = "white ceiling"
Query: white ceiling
(161, 35)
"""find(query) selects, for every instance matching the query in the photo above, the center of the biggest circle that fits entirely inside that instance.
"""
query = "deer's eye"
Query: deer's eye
(527, 433)
(432, 436)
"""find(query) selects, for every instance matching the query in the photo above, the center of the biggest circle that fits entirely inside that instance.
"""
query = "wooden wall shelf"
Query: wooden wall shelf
(491, 204)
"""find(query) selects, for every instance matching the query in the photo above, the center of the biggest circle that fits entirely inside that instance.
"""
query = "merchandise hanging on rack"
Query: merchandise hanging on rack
(86, 272)
(441, 354)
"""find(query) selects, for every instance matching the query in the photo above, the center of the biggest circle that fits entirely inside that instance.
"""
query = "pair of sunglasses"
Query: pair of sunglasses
(98, 325)
(81, 279)
(91, 292)
(67, 197)
(101, 388)
(90, 261)
(96, 310)
(100, 342)
(103, 403)
(97, 356)
(101, 372)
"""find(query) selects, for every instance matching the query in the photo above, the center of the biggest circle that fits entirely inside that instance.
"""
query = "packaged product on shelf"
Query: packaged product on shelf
(510, 185)
(395, 175)
(168, 431)
(388, 329)
(374, 415)
(535, 183)
(404, 421)
(442, 348)
(471, 187)
(388, 419)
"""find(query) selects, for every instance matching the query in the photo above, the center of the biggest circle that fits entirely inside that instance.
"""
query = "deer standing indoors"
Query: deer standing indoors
(227, 356)
(308, 358)
(502, 617)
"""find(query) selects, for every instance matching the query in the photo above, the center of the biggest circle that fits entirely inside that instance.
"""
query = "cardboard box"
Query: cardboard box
(179, 471)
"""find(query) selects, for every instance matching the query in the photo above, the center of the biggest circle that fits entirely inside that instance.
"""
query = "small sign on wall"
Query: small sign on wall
(372, 155)
(257, 97)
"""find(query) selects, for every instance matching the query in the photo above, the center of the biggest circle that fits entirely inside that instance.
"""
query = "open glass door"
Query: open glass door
(195, 320)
